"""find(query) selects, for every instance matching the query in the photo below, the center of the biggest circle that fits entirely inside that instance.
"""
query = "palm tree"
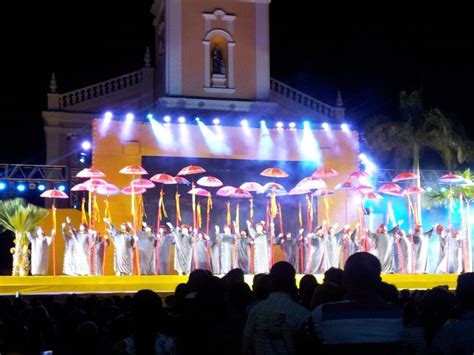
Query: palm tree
(417, 130)
(19, 217)
(463, 193)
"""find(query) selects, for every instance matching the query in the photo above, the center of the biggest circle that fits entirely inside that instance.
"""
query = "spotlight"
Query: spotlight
(443, 189)
(149, 116)
(82, 160)
(41, 187)
(167, 119)
(429, 189)
(197, 119)
(244, 123)
(62, 188)
(263, 123)
(21, 187)
(279, 124)
(362, 156)
(181, 119)
(129, 117)
(216, 121)
(306, 124)
(345, 127)
(292, 125)
(325, 126)
(3, 186)
(86, 145)
(32, 185)
(108, 115)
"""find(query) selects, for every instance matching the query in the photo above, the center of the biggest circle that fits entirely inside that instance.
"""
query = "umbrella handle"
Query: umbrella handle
(54, 238)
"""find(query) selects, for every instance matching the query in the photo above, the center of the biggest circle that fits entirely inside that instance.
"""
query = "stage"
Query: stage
(166, 284)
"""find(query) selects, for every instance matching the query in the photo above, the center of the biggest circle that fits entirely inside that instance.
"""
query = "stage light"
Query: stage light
(167, 119)
(279, 125)
(129, 117)
(429, 189)
(197, 119)
(108, 115)
(362, 156)
(106, 122)
(244, 123)
(82, 160)
(62, 188)
(216, 121)
(41, 187)
(345, 127)
(443, 189)
(181, 119)
(3, 186)
(86, 145)
(149, 116)
(309, 146)
(263, 124)
(292, 125)
(126, 131)
(162, 134)
(21, 187)
(370, 167)
(326, 126)
(306, 124)
(214, 139)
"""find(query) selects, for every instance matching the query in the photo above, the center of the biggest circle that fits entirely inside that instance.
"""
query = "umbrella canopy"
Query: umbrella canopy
(164, 179)
(226, 191)
(405, 176)
(251, 186)
(311, 183)
(90, 173)
(199, 192)
(80, 187)
(298, 191)
(270, 186)
(323, 173)
(452, 179)
(240, 193)
(92, 184)
(54, 194)
(359, 175)
(345, 185)
(181, 180)
(278, 192)
(372, 196)
(108, 190)
(209, 181)
(390, 189)
(323, 192)
(133, 170)
(274, 172)
(144, 183)
(413, 190)
(365, 188)
(191, 169)
(136, 190)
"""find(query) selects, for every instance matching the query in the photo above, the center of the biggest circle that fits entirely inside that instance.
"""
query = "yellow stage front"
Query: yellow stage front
(166, 284)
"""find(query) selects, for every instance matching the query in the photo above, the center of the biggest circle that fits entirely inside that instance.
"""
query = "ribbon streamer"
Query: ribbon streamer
(228, 216)
(83, 211)
(178, 209)
(251, 210)
(300, 216)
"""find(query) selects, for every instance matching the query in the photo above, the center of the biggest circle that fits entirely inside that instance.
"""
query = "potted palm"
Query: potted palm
(19, 217)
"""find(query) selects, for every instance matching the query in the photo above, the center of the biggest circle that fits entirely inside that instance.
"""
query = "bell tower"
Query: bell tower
(212, 49)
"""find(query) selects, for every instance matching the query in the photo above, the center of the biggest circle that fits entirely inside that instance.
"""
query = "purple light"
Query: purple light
(86, 145)
(216, 121)
(279, 125)
(167, 119)
(181, 119)
(292, 125)
(325, 126)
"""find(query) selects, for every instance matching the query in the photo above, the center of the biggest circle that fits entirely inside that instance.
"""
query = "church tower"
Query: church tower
(211, 50)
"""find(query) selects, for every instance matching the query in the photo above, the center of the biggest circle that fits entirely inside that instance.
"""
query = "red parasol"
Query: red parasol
(90, 173)
(451, 179)
(274, 172)
(240, 193)
(92, 184)
(298, 191)
(413, 190)
(191, 169)
(345, 185)
(365, 188)
(108, 190)
(251, 186)
(323, 192)
(323, 173)
(390, 189)
(209, 181)
(54, 194)
(80, 187)
(311, 183)
(278, 192)
(226, 191)
(133, 170)
(181, 180)
(405, 176)
(270, 186)
(165, 179)
(199, 192)
(359, 175)
(372, 196)
(143, 183)
(128, 190)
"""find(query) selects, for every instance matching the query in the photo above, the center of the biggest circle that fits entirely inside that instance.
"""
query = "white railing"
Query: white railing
(100, 89)
(301, 98)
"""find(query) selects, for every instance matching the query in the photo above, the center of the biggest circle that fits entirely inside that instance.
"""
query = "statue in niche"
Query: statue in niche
(218, 66)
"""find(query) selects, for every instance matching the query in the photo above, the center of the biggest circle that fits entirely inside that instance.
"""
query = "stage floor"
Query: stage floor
(166, 284)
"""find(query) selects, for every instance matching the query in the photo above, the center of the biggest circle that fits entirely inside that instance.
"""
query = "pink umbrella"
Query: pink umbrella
(271, 186)
(133, 170)
(164, 179)
(251, 186)
(80, 187)
(451, 179)
(345, 185)
(298, 191)
(405, 176)
(323, 192)
(311, 183)
(135, 191)
(365, 188)
(274, 172)
(191, 169)
(390, 189)
(226, 191)
(144, 183)
(54, 194)
(413, 190)
(209, 181)
(240, 193)
(323, 173)
(358, 175)
(90, 173)
(92, 184)
(181, 180)
(108, 190)
(199, 192)
(372, 196)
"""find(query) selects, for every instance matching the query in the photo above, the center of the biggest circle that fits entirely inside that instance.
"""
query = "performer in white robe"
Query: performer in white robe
(163, 249)
(384, 245)
(124, 243)
(316, 262)
(443, 237)
(201, 254)
(226, 252)
(456, 252)
(333, 246)
(243, 243)
(146, 250)
(40, 244)
(183, 249)
(81, 252)
(261, 248)
(403, 253)
(100, 246)
(349, 243)
(69, 246)
(421, 243)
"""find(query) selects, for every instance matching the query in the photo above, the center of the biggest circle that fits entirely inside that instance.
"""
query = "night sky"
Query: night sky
(369, 56)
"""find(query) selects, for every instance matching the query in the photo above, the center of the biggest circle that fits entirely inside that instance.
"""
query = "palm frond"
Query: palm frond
(18, 216)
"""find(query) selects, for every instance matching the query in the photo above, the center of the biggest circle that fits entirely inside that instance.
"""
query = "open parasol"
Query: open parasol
(405, 176)
(197, 191)
(311, 183)
(323, 173)
(251, 186)
(274, 172)
(143, 183)
(191, 169)
(108, 190)
(451, 179)
(165, 179)
(181, 180)
(90, 173)
(209, 181)
(130, 190)
(226, 191)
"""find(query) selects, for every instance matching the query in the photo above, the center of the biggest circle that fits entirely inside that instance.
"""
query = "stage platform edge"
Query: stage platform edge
(166, 284)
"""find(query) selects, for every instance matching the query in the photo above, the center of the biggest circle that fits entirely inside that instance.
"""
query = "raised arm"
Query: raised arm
(252, 232)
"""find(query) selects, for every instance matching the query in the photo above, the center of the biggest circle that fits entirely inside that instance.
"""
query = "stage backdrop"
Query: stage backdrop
(234, 155)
